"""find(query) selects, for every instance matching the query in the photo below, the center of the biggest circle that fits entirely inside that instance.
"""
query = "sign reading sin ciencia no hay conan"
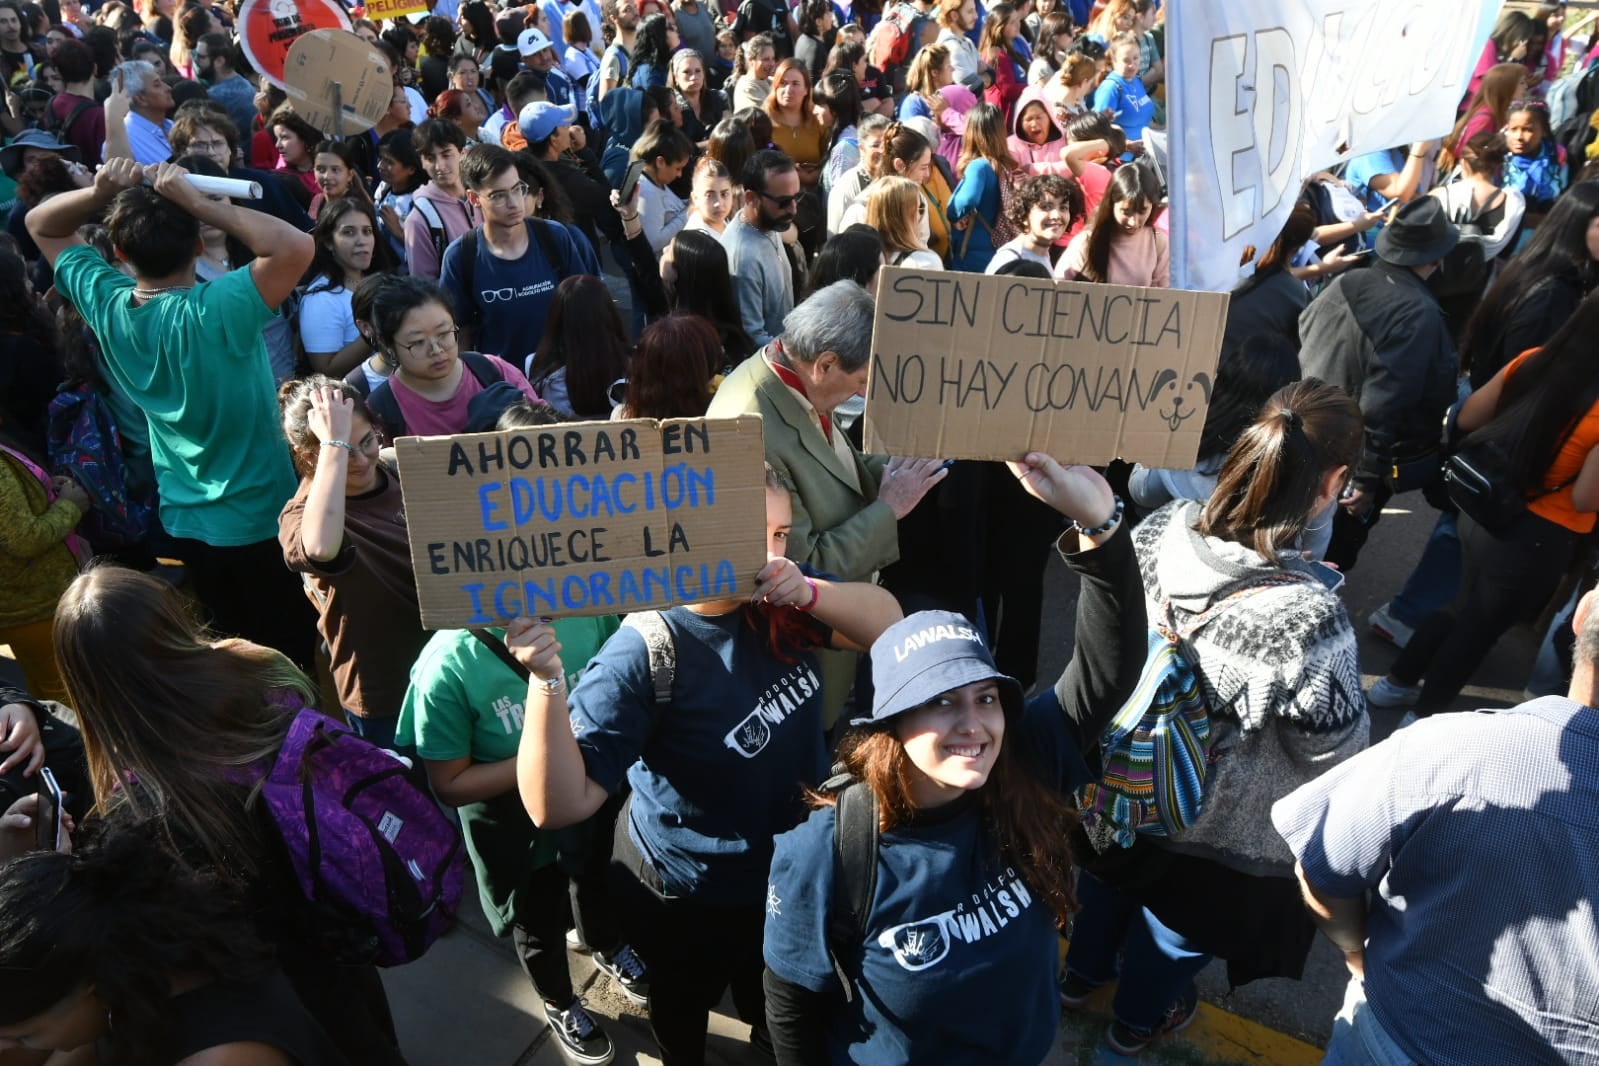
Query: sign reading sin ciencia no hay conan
(972, 366)
(584, 518)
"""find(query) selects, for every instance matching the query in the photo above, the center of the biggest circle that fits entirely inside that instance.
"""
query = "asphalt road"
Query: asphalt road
(1304, 1009)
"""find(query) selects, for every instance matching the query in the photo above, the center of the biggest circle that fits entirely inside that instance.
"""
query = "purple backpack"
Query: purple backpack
(370, 849)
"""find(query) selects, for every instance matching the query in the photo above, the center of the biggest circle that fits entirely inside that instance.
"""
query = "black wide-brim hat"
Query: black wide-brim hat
(1420, 233)
(11, 154)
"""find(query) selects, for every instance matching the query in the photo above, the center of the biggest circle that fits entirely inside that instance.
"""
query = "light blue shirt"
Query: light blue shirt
(146, 140)
(1480, 834)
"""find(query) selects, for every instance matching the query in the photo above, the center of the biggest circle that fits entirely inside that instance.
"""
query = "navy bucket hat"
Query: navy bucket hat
(925, 655)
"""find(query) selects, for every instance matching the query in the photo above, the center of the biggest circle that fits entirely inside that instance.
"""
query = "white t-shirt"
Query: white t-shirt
(326, 324)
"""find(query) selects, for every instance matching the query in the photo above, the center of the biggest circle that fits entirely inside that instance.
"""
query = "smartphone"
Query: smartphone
(635, 170)
(1330, 576)
(47, 819)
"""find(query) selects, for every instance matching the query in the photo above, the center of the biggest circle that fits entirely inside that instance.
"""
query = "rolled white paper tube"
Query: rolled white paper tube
(233, 188)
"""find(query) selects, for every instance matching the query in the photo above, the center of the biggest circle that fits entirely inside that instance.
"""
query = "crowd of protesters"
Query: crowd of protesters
(578, 210)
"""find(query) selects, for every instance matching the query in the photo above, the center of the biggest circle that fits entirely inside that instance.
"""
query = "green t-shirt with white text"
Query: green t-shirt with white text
(464, 701)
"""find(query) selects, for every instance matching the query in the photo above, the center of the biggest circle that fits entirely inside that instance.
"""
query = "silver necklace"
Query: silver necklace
(143, 293)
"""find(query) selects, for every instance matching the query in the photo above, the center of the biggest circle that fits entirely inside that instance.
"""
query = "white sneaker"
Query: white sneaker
(1389, 628)
(1388, 695)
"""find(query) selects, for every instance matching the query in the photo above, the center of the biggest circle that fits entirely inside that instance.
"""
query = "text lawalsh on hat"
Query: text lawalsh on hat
(1419, 234)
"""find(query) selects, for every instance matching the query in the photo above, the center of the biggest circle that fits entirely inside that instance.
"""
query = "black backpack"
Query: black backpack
(381, 401)
(855, 845)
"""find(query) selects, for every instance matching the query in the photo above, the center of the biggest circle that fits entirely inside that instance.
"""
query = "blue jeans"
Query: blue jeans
(1157, 964)
(1358, 1038)
(1435, 582)
(378, 731)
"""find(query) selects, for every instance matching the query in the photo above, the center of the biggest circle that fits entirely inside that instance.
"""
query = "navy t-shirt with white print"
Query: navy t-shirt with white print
(718, 772)
(510, 298)
(961, 954)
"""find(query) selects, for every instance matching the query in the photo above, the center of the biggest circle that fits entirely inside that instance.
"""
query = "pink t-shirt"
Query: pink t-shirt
(1141, 259)
(435, 418)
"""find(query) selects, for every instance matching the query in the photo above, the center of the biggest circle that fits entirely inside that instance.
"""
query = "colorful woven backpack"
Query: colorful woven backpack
(1156, 750)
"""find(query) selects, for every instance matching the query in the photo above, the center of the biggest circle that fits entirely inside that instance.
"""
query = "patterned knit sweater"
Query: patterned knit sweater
(1280, 674)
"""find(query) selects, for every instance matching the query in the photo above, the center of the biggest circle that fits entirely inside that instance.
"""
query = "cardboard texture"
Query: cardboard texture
(268, 28)
(322, 58)
(394, 9)
(970, 366)
(584, 518)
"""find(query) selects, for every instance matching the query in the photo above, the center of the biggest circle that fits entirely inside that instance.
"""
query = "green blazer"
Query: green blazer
(839, 530)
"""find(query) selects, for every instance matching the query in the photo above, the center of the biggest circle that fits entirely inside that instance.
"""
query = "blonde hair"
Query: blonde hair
(890, 210)
(919, 78)
(1076, 70)
(170, 715)
(1104, 25)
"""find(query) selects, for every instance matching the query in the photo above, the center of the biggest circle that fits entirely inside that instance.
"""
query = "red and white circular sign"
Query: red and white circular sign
(269, 28)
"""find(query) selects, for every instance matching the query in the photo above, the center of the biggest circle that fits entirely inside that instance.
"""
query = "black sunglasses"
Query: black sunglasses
(783, 201)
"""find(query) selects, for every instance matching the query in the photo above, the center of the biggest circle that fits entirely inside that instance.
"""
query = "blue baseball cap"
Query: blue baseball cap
(539, 119)
(926, 655)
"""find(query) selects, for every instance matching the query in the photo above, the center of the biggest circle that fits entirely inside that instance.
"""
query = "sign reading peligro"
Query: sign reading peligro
(584, 518)
(971, 366)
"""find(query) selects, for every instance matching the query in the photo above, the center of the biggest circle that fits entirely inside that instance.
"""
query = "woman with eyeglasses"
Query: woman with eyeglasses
(431, 389)
(344, 529)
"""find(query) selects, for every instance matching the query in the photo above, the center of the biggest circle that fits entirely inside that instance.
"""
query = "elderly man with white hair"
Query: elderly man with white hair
(142, 106)
(847, 506)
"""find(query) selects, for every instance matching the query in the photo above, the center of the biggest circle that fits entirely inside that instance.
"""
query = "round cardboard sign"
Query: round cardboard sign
(321, 59)
(268, 28)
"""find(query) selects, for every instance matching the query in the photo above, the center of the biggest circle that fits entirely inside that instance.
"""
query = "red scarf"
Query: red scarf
(793, 381)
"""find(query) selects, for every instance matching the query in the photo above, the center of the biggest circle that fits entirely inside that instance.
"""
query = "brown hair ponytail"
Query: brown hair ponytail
(1269, 483)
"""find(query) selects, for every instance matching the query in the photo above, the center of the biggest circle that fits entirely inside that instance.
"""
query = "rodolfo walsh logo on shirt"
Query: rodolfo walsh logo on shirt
(922, 944)
(785, 696)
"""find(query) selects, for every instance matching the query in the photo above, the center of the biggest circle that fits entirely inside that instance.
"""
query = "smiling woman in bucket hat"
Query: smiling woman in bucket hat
(974, 873)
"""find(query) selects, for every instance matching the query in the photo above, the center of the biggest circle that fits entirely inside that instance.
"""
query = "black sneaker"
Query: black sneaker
(1125, 1040)
(580, 1037)
(625, 968)
(1075, 991)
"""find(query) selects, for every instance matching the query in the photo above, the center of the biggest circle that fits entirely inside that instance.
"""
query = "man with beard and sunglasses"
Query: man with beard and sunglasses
(754, 244)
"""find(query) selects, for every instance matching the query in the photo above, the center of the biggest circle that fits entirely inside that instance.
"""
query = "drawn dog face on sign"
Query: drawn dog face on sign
(1187, 401)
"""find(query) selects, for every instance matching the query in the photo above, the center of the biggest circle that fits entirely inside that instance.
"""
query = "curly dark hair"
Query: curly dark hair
(45, 176)
(1032, 191)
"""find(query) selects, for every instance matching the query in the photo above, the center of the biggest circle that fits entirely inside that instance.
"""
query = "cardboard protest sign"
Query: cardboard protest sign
(584, 518)
(268, 28)
(1264, 93)
(971, 366)
(321, 59)
(395, 9)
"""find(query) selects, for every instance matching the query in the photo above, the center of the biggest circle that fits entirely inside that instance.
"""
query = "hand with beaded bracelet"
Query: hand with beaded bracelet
(1080, 493)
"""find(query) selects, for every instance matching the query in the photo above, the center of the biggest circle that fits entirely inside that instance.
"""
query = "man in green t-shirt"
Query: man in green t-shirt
(463, 715)
(192, 357)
